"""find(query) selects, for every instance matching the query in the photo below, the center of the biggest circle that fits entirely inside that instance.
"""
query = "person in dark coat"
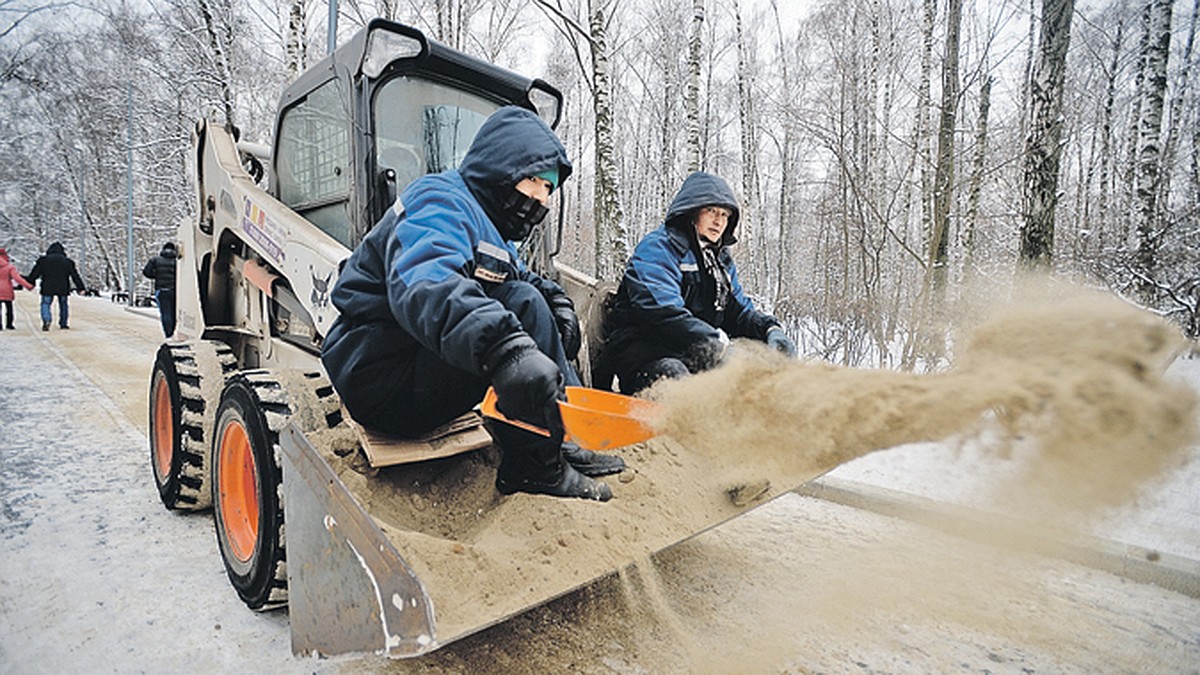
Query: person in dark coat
(56, 272)
(435, 304)
(161, 268)
(680, 300)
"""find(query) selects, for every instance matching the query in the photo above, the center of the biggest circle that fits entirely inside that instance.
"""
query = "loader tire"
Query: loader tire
(184, 389)
(247, 494)
(247, 500)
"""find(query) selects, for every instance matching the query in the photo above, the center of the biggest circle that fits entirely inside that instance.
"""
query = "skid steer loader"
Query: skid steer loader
(391, 546)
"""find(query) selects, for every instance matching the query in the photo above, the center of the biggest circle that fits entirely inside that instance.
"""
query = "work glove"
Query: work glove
(568, 324)
(707, 353)
(528, 385)
(780, 342)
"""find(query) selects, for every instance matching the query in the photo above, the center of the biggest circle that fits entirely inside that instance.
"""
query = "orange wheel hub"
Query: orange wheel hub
(239, 491)
(164, 430)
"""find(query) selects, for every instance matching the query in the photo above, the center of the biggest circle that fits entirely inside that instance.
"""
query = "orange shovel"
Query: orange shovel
(595, 419)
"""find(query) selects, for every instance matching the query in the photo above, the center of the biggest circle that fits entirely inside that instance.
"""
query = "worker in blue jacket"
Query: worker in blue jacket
(680, 300)
(435, 304)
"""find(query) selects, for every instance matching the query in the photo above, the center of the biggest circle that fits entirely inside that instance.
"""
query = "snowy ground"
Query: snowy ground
(95, 576)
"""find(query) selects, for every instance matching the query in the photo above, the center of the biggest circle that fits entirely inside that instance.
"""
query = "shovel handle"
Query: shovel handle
(489, 409)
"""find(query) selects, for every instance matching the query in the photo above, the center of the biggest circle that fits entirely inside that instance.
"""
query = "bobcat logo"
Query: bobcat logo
(320, 292)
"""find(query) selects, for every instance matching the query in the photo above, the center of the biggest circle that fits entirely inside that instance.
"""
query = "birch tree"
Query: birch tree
(749, 136)
(692, 99)
(943, 186)
(1042, 147)
(1154, 61)
(296, 38)
(978, 167)
(609, 217)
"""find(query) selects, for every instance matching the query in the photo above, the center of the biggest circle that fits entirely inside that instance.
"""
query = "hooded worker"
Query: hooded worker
(10, 279)
(161, 268)
(56, 272)
(680, 299)
(435, 304)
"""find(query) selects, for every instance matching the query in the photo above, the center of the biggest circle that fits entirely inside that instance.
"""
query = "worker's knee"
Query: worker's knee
(526, 301)
(648, 374)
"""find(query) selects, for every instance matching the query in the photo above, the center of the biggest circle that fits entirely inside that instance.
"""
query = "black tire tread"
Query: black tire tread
(280, 395)
(198, 396)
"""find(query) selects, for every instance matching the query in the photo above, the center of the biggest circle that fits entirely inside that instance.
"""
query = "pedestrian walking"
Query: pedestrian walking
(161, 268)
(10, 280)
(56, 272)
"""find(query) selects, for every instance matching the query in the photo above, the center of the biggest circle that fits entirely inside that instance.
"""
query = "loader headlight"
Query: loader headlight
(385, 46)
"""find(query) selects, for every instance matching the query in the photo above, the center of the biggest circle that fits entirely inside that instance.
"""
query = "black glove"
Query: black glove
(707, 353)
(780, 342)
(567, 322)
(528, 384)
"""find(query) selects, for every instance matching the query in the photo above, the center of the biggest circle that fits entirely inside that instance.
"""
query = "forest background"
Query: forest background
(890, 155)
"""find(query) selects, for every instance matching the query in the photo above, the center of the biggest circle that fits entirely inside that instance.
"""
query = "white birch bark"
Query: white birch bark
(749, 140)
(978, 167)
(1158, 48)
(695, 43)
(1042, 147)
(943, 187)
(296, 39)
(611, 229)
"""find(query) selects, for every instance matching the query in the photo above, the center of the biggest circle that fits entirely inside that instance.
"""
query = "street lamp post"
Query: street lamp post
(79, 150)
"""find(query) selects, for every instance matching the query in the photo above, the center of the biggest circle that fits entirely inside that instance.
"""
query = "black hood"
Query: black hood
(56, 249)
(704, 189)
(168, 250)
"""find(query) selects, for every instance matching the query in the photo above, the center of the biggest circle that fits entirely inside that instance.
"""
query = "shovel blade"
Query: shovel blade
(596, 420)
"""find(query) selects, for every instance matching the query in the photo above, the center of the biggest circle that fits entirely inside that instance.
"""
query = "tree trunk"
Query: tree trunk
(1042, 149)
(943, 188)
(749, 144)
(1182, 90)
(296, 46)
(1106, 135)
(922, 117)
(1149, 150)
(611, 230)
(219, 31)
(693, 87)
(977, 171)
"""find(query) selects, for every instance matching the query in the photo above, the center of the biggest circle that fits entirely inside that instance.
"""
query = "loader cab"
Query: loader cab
(384, 109)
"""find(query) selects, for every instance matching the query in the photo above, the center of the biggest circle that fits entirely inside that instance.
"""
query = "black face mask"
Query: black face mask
(518, 215)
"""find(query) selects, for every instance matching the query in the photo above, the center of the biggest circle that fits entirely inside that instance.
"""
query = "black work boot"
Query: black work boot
(535, 464)
(570, 483)
(591, 463)
(45, 326)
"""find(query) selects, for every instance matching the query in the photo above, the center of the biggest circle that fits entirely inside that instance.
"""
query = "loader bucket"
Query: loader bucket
(406, 559)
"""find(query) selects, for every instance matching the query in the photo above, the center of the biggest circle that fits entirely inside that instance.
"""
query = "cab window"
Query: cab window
(314, 161)
(424, 127)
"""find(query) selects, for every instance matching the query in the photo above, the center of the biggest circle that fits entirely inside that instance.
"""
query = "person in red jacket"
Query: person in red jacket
(9, 279)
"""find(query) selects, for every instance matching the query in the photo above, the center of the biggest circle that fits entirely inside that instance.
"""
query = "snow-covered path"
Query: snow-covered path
(95, 576)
